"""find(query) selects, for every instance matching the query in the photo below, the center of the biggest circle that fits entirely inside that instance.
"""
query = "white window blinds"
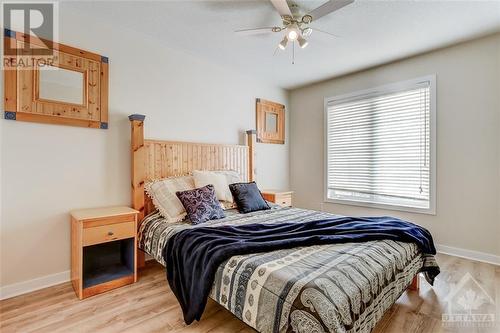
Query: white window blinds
(378, 146)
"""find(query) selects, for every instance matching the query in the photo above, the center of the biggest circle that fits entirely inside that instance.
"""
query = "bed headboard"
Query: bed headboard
(153, 159)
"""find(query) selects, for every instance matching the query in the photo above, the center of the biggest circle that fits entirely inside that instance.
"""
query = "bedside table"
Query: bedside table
(103, 249)
(282, 198)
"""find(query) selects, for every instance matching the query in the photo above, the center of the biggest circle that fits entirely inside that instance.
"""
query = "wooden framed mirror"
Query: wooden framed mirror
(68, 86)
(270, 121)
(60, 84)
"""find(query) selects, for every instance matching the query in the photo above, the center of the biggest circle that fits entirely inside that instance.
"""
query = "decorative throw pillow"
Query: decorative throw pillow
(162, 193)
(248, 197)
(218, 180)
(201, 204)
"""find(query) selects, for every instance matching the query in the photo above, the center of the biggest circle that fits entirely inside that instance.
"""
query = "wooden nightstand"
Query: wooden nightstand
(103, 249)
(282, 198)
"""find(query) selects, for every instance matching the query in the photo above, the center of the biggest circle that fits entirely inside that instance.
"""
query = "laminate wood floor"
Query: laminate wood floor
(150, 306)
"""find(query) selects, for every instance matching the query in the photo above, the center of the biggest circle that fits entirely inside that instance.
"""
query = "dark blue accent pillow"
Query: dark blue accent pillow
(248, 197)
(201, 204)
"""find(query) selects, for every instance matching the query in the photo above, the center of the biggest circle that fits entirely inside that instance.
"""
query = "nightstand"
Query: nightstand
(103, 249)
(282, 198)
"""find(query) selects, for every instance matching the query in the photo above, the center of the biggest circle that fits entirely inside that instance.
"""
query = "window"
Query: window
(380, 147)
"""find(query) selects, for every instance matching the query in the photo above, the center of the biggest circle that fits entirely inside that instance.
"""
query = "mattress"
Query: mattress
(324, 288)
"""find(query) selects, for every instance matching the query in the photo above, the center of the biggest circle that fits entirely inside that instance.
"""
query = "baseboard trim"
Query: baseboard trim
(25, 287)
(469, 254)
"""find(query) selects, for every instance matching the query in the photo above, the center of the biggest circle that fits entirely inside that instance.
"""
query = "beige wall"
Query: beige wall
(48, 170)
(468, 141)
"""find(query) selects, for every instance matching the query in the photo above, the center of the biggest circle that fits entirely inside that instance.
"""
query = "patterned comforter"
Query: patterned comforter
(323, 288)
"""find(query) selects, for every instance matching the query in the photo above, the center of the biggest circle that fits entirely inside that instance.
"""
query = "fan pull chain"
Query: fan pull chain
(293, 53)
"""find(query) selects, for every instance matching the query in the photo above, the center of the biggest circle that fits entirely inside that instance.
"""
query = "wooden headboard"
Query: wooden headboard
(154, 159)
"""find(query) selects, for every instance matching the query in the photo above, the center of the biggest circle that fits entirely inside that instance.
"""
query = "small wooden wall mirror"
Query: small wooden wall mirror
(58, 84)
(270, 122)
(65, 85)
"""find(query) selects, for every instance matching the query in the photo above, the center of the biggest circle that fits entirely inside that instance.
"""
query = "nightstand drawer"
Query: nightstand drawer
(283, 200)
(107, 233)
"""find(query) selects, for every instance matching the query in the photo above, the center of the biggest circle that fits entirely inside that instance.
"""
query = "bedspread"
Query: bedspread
(321, 288)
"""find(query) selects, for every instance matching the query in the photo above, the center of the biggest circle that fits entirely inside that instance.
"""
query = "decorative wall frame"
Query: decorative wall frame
(270, 119)
(70, 87)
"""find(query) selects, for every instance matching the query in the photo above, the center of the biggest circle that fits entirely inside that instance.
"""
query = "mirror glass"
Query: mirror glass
(271, 122)
(62, 85)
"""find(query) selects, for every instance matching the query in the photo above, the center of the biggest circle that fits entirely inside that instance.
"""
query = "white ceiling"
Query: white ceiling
(370, 32)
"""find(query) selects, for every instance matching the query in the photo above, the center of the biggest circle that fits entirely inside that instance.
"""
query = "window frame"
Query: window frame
(432, 144)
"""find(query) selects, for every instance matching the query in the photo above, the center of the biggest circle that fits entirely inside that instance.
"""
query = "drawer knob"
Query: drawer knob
(110, 233)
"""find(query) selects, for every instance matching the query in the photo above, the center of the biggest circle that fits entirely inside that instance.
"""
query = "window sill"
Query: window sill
(428, 211)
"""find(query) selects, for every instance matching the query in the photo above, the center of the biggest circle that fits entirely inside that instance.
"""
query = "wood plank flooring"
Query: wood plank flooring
(150, 306)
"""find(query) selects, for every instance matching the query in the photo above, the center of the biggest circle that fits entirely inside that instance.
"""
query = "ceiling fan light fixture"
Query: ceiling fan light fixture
(307, 19)
(302, 42)
(283, 43)
(293, 32)
(306, 32)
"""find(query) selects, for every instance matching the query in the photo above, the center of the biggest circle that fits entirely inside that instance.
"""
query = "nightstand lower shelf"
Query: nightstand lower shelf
(106, 274)
(103, 287)
(108, 261)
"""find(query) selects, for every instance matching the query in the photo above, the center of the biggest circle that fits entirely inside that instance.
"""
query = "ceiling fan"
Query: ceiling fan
(295, 25)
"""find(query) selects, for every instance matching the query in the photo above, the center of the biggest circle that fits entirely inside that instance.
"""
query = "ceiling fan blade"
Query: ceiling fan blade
(255, 31)
(282, 7)
(328, 7)
(325, 32)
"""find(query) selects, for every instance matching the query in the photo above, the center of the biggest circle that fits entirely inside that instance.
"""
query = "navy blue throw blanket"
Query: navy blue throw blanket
(192, 256)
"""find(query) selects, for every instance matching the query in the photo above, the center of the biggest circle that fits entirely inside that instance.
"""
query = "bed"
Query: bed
(321, 288)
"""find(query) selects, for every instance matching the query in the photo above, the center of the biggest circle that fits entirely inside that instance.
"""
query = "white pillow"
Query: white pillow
(231, 175)
(162, 192)
(218, 180)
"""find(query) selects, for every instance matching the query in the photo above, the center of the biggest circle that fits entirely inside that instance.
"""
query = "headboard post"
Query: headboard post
(138, 162)
(138, 170)
(251, 143)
